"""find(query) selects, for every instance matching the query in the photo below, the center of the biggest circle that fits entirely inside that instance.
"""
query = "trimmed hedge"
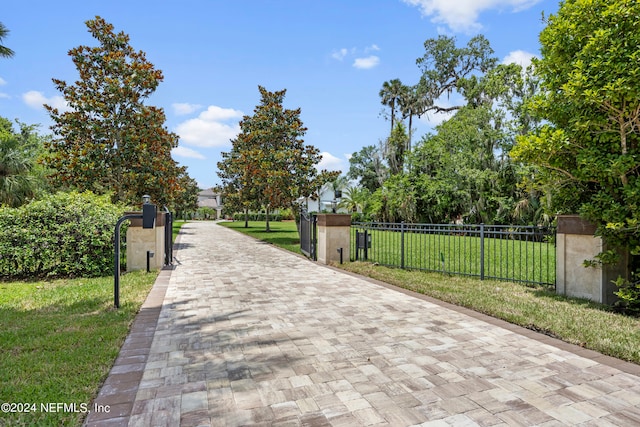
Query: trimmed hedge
(61, 235)
(257, 217)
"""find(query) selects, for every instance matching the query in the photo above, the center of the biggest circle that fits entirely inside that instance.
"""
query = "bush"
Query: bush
(62, 235)
(629, 294)
(257, 217)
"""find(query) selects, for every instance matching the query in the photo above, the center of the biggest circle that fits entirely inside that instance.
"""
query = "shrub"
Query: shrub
(261, 216)
(61, 235)
(629, 294)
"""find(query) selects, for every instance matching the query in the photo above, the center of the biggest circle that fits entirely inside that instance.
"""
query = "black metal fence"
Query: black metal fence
(503, 252)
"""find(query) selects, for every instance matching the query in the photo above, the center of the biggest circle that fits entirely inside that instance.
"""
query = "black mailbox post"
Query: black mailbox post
(148, 216)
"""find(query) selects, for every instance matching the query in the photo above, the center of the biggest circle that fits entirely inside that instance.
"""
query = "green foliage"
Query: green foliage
(257, 216)
(65, 234)
(269, 166)
(110, 141)
(59, 339)
(358, 201)
(445, 67)
(463, 170)
(4, 51)
(587, 154)
(629, 294)
(21, 177)
(368, 167)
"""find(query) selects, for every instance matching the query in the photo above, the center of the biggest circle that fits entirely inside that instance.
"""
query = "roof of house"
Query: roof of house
(208, 199)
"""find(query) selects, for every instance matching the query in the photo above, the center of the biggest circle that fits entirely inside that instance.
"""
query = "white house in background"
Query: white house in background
(327, 201)
(210, 199)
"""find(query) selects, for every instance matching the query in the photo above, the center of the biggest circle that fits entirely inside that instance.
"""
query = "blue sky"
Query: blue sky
(332, 56)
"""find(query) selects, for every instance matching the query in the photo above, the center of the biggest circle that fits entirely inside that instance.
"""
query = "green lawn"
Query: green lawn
(283, 233)
(573, 320)
(59, 339)
(176, 227)
(450, 252)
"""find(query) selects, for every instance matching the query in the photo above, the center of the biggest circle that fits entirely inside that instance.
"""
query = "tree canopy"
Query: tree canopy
(109, 141)
(587, 153)
(21, 177)
(463, 168)
(269, 165)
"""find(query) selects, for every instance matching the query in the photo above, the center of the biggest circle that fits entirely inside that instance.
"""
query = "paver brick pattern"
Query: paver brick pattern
(252, 335)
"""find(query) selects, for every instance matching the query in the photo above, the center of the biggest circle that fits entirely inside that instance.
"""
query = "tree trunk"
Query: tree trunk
(267, 217)
(246, 217)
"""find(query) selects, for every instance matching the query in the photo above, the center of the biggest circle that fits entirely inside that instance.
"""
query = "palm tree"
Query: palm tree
(20, 177)
(355, 199)
(4, 51)
(412, 102)
(337, 185)
(390, 95)
(16, 182)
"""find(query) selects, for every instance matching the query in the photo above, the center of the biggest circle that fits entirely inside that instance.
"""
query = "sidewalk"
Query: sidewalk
(248, 334)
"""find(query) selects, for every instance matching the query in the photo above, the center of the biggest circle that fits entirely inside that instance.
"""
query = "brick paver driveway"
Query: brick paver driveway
(252, 335)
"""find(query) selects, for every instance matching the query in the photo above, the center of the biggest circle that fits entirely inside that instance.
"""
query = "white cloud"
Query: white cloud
(339, 54)
(35, 99)
(182, 108)
(209, 128)
(2, 81)
(462, 15)
(181, 151)
(519, 57)
(331, 162)
(361, 61)
(366, 63)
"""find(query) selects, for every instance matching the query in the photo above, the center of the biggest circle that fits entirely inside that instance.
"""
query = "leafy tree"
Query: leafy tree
(395, 149)
(445, 67)
(356, 199)
(396, 201)
(236, 170)
(269, 165)
(4, 51)
(464, 168)
(587, 152)
(186, 199)
(110, 141)
(367, 166)
(21, 177)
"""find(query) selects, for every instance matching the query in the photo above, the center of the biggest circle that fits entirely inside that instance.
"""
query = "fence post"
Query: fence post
(402, 245)
(482, 251)
(366, 245)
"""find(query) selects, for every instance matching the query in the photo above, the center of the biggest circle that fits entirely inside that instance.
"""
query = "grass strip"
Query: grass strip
(283, 233)
(59, 340)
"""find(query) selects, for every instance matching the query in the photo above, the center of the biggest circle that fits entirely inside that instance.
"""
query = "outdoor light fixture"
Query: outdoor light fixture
(146, 199)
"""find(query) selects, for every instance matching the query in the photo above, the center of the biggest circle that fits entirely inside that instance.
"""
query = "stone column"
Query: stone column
(576, 243)
(334, 232)
(141, 240)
